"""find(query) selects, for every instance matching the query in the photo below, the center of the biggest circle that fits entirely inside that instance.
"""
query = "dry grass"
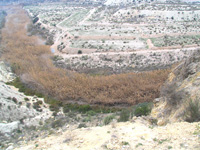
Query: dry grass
(33, 64)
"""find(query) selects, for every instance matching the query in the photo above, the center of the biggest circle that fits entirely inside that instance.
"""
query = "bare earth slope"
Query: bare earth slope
(180, 92)
(137, 134)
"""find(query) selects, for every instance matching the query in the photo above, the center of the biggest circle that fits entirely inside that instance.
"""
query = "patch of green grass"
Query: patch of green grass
(54, 104)
(76, 107)
(89, 110)
(23, 88)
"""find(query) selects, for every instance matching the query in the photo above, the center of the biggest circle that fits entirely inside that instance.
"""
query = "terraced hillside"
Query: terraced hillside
(98, 32)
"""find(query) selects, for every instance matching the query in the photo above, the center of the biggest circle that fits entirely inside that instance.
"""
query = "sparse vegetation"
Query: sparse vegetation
(193, 110)
(108, 119)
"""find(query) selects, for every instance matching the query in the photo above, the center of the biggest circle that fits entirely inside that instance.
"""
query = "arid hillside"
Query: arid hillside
(179, 99)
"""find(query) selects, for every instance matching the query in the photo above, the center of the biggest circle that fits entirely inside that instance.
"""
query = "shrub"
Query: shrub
(84, 108)
(28, 105)
(82, 125)
(54, 104)
(36, 106)
(108, 119)
(91, 113)
(80, 52)
(14, 100)
(174, 97)
(26, 99)
(193, 110)
(124, 115)
(125, 143)
(57, 123)
(142, 109)
(87, 119)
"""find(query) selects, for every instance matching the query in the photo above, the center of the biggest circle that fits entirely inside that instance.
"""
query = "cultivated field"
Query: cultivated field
(99, 32)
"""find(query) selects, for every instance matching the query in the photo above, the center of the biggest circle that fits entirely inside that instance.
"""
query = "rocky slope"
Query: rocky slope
(138, 134)
(180, 95)
(17, 110)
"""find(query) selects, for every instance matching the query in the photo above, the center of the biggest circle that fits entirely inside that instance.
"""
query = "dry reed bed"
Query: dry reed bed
(32, 63)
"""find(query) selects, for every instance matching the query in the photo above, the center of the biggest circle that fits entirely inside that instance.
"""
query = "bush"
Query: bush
(26, 99)
(193, 111)
(91, 113)
(124, 115)
(80, 52)
(84, 108)
(174, 97)
(57, 123)
(142, 109)
(14, 100)
(108, 119)
(82, 125)
(54, 104)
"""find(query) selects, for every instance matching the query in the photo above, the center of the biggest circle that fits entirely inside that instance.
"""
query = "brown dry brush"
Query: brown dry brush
(32, 63)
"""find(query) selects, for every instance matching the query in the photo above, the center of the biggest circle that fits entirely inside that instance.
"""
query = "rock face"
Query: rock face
(180, 92)
(5, 73)
(16, 109)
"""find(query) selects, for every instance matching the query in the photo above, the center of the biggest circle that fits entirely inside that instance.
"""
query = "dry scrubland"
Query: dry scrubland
(32, 63)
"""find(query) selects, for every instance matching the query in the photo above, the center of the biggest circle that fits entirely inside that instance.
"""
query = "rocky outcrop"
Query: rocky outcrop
(17, 110)
(5, 73)
(180, 93)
